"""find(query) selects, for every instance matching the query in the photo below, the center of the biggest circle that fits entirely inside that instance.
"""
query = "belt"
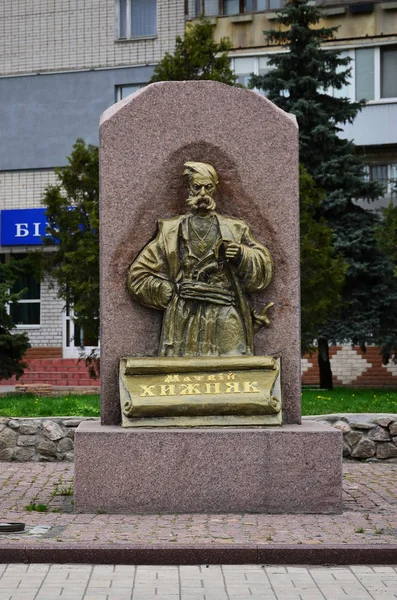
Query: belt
(197, 290)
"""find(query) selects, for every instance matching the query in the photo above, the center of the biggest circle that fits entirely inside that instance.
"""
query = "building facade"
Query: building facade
(367, 33)
(62, 63)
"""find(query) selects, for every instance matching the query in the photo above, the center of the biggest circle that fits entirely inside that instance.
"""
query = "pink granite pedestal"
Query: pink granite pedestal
(289, 469)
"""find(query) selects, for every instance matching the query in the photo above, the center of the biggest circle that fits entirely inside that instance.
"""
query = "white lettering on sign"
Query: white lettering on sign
(36, 229)
(22, 230)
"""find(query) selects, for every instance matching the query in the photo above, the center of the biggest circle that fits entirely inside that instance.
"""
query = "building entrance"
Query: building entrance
(74, 339)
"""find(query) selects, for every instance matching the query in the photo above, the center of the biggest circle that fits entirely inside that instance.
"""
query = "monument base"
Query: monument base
(289, 469)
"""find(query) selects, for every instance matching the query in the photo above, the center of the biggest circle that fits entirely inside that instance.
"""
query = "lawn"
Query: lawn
(314, 402)
(349, 400)
(28, 405)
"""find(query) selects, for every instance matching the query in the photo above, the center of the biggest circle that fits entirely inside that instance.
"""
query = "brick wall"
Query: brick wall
(51, 35)
(352, 367)
(49, 334)
(24, 189)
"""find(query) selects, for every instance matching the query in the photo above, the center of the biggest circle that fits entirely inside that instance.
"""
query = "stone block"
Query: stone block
(393, 428)
(28, 427)
(294, 468)
(26, 440)
(353, 437)
(363, 424)
(379, 434)
(22, 454)
(8, 438)
(65, 444)
(46, 447)
(342, 426)
(52, 430)
(386, 451)
(364, 449)
(68, 457)
(384, 421)
(6, 454)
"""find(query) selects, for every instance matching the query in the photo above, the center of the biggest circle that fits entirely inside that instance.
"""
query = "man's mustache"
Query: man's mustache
(194, 202)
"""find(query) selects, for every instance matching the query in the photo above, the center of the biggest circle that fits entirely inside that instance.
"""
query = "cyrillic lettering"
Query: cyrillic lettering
(167, 390)
(212, 388)
(232, 387)
(147, 390)
(190, 388)
(22, 230)
(249, 387)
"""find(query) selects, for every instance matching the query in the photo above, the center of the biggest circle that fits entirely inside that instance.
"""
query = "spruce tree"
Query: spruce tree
(13, 345)
(322, 272)
(303, 82)
(387, 233)
(197, 56)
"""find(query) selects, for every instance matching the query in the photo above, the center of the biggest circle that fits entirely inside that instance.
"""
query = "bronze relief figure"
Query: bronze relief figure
(200, 269)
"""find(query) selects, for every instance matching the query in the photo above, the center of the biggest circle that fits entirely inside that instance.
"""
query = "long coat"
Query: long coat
(158, 267)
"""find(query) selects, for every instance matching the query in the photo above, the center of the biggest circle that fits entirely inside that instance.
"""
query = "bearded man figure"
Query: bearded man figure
(199, 269)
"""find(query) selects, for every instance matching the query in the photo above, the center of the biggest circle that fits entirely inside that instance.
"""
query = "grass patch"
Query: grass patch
(63, 490)
(29, 405)
(348, 400)
(314, 402)
(36, 507)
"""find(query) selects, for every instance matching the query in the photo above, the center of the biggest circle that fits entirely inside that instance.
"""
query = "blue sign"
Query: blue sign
(23, 227)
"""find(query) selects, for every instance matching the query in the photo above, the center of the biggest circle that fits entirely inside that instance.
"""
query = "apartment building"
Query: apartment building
(367, 33)
(62, 63)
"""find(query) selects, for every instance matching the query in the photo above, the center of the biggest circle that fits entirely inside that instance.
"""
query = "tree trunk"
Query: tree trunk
(324, 364)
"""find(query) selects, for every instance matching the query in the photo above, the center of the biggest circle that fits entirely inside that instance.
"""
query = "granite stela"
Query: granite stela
(199, 224)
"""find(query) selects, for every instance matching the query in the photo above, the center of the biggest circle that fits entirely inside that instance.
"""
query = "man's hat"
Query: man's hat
(203, 169)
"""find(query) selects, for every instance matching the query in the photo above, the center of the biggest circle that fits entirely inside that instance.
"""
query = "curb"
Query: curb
(186, 554)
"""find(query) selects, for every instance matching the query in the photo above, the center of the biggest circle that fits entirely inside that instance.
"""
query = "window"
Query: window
(122, 91)
(136, 18)
(26, 311)
(231, 7)
(209, 8)
(376, 73)
(385, 174)
(234, 7)
(388, 69)
(365, 74)
(245, 66)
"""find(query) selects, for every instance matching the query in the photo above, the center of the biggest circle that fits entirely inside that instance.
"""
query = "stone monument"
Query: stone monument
(208, 423)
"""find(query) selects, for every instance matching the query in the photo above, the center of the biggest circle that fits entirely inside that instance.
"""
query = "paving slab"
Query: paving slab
(201, 582)
(365, 532)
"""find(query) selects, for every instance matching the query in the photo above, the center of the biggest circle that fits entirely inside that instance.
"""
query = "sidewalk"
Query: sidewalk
(368, 523)
(214, 582)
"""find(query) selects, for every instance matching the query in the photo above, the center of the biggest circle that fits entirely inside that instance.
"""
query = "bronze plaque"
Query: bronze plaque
(201, 270)
(200, 392)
